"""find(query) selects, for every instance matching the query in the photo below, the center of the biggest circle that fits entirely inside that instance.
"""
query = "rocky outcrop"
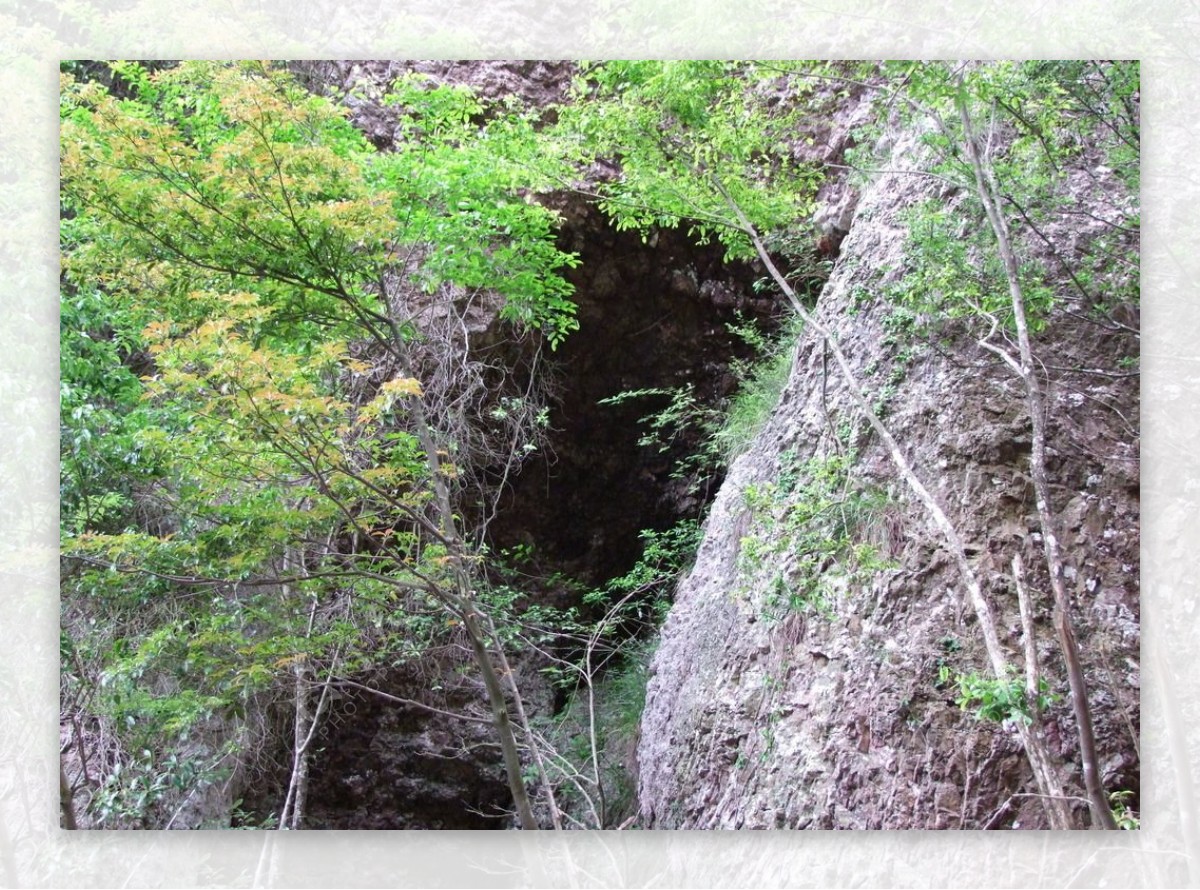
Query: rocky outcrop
(362, 84)
(423, 757)
(766, 710)
(654, 313)
(771, 705)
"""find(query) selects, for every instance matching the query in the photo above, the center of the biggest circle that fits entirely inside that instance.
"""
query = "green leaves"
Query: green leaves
(810, 535)
(233, 232)
(242, 272)
(458, 192)
(1047, 124)
(997, 700)
(954, 271)
(682, 131)
(274, 187)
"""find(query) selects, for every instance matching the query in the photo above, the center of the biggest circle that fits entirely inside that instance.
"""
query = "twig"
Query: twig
(1000, 812)
(987, 192)
(416, 704)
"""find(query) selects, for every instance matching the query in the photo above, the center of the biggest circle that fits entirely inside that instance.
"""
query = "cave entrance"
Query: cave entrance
(653, 313)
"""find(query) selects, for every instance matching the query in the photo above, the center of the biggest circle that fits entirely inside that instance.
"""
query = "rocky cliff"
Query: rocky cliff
(808, 674)
(822, 665)
(800, 686)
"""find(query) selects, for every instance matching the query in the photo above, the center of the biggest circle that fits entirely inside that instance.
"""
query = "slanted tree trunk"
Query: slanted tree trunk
(462, 600)
(1044, 770)
(534, 746)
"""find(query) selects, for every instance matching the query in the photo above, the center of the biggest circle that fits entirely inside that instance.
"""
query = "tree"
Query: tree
(280, 451)
(1011, 90)
(672, 125)
(277, 284)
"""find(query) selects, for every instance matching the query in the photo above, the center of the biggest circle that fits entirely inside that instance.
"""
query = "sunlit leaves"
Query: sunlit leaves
(1046, 128)
(682, 131)
(402, 386)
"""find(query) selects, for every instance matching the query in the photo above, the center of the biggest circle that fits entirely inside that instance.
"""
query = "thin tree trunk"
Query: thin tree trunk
(289, 815)
(1033, 677)
(66, 800)
(292, 814)
(534, 749)
(508, 740)
(1097, 800)
(471, 618)
(304, 726)
(266, 872)
(463, 597)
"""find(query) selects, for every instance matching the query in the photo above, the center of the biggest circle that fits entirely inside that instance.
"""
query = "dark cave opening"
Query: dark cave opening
(384, 766)
(653, 313)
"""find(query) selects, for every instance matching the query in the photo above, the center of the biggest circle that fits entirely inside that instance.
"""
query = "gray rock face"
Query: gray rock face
(364, 82)
(765, 712)
(389, 766)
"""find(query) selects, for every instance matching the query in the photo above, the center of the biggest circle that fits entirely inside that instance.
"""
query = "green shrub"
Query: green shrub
(761, 383)
(617, 699)
(722, 432)
(1127, 818)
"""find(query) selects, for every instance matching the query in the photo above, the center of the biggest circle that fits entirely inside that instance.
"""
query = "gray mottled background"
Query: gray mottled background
(37, 33)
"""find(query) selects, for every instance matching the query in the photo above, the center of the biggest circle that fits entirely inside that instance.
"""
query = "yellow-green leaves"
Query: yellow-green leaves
(390, 393)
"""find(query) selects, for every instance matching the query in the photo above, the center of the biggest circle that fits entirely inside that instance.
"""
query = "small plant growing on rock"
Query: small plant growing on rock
(1000, 701)
(810, 522)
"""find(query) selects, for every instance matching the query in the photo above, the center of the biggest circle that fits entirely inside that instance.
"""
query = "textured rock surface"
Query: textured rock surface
(387, 765)
(364, 82)
(653, 314)
(757, 719)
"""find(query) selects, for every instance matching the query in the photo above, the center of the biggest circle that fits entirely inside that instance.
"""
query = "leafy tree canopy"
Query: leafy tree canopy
(230, 245)
(684, 134)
